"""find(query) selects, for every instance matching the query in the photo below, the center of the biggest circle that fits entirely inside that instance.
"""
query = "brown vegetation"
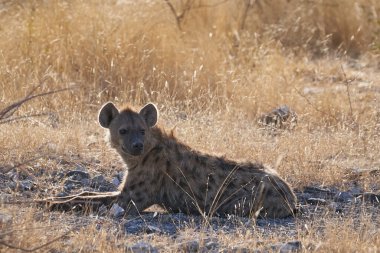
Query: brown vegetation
(213, 68)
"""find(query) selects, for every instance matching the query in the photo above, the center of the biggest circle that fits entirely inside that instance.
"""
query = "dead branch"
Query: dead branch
(189, 5)
(247, 5)
(82, 196)
(7, 112)
(179, 17)
(24, 117)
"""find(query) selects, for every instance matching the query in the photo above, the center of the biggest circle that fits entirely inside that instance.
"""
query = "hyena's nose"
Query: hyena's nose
(137, 146)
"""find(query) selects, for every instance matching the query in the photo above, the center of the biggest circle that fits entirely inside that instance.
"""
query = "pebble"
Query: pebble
(115, 181)
(120, 176)
(97, 181)
(316, 201)
(25, 185)
(116, 211)
(71, 184)
(77, 174)
(152, 229)
(211, 245)
(101, 184)
(344, 197)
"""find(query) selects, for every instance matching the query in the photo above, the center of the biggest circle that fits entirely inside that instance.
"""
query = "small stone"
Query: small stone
(211, 245)
(141, 247)
(356, 191)
(71, 184)
(78, 174)
(116, 211)
(115, 181)
(281, 117)
(85, 182)
(25, 185)
(98, 180)
(316, 201)
(344, 197)
(152, 229)
(101, 184)
(120, 176)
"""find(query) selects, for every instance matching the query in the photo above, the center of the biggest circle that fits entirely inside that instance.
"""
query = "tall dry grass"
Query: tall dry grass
(220, 66)
(212, 67)
(224, 53)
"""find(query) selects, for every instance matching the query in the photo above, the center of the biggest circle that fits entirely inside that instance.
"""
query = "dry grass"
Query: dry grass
(211, 74)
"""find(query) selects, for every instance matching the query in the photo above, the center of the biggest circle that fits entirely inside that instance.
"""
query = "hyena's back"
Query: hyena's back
(254, 188)
(226, 187)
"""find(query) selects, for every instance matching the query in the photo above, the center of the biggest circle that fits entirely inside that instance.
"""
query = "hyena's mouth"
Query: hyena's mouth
(134, 152)
(124, 149)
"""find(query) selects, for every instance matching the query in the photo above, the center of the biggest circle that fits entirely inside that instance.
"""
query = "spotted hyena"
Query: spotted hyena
(162, 170)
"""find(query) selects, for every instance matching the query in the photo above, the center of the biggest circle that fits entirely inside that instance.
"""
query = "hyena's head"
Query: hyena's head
(129, 130)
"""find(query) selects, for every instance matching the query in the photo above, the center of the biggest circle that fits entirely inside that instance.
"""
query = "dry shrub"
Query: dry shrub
(320, 27)
(135, 52)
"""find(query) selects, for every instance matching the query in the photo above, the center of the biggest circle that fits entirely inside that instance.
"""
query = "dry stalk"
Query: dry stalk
(189, 4)
(7, 112)
(179, 16)
(347, 83)
(247, 5)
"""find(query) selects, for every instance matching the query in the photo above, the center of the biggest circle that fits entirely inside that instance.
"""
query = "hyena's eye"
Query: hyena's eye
(142, 132)
(122, 131)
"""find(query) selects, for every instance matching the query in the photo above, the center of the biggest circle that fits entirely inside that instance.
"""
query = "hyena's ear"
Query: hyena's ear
(150, 114)
(107, 114)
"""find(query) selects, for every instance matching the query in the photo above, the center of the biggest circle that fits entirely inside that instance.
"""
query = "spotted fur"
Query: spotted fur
(162, 170)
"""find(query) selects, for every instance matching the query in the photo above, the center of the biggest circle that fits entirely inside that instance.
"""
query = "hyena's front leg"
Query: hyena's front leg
(134, 200)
